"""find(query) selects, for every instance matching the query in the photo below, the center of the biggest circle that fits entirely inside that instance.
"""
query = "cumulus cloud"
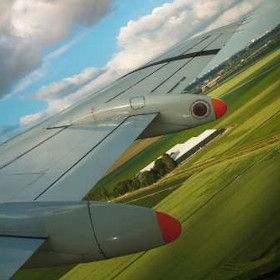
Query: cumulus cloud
(139, 41)
(238, 10)
(67, 85)
(62, 94)
(42, 70)
(32, 118)
(26, 26)
(18, 56)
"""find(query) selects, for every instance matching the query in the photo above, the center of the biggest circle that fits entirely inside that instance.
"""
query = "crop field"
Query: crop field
(151, 196)
(224, 225)
(226, 196)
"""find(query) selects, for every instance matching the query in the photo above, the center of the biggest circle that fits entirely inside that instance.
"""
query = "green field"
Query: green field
(229, 208)
(152, 196)
(230, 226)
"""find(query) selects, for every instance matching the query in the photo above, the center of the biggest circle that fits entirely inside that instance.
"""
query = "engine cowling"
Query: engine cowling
(78, 232)
(176, 112)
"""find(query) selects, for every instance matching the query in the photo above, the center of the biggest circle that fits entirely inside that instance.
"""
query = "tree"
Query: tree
(133, 184)
(136, 183)
(104, 193)
(116, 192)
(160, 167)
(122, 187)
(100, 194)
(147, 178)
(170, 163)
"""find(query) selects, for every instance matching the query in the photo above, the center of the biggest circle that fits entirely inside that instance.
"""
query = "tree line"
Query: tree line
(162, 166)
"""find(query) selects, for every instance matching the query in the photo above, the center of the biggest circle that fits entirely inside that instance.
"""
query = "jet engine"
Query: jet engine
(76, 232)
(176, 112)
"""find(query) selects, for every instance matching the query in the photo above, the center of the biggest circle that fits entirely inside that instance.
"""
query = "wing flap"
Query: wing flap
(15, 251)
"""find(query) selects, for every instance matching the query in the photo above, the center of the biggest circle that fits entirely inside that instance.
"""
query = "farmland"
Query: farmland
(226, 196)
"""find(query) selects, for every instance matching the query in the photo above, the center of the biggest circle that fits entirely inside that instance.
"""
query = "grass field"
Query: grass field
(224, 223)
(229, 208)
(149, 197)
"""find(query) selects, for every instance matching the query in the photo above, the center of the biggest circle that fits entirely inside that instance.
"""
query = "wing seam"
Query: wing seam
(23, 236)
(180, 57)
(159, 85)
(64, 173)
(94, 233)
(141, 80)
(29, 150)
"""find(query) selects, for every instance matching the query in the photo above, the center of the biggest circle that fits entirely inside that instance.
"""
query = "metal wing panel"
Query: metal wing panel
(15, 251)
(183, 46)
(198, 43)
(80, 179)
(13, 149)
(177, 81)
(154, 81)
(39, 171)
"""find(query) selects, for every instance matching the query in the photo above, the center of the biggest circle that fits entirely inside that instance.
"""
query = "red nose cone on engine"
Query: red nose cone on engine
(170, 227)
(219, 107)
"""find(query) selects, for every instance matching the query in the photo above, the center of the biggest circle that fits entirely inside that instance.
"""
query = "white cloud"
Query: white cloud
(67, 85)
(235, 12)
(32, 118)
(141, 40)
(42, 70)
(26, 26)
(50, 21)
(18, 56)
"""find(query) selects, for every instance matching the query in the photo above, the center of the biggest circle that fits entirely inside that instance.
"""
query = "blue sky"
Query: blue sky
(47, 66)
(89, 47)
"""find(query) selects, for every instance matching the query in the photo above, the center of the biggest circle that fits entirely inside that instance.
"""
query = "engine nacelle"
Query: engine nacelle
(176, 112)
(78, 232)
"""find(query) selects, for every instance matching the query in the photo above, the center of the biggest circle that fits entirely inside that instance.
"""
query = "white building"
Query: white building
(179, 150)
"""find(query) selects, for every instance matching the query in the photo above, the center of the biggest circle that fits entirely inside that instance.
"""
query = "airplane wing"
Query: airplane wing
(62, 158)
(43, 164)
